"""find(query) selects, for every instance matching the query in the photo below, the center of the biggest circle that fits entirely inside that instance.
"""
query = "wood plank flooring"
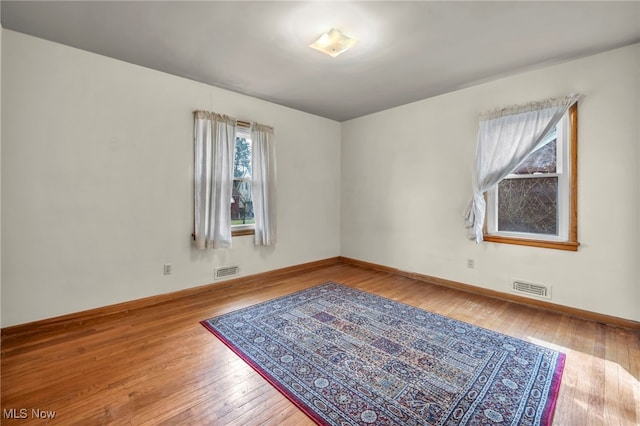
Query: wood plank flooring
(158, 365)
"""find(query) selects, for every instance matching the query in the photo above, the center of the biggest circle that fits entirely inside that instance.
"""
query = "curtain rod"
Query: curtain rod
(239, 123)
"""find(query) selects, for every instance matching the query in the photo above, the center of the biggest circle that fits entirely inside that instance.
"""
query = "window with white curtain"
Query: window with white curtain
(536, 203)
(234, 181)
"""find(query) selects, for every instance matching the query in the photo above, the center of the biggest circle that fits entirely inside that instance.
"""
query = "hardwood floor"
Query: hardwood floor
(158, 365)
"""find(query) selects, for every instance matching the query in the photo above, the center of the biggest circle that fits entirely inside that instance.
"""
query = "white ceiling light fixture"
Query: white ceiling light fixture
(333, 43)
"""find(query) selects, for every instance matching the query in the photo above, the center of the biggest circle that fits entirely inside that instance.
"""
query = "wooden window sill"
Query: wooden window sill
(240, 232)
(558, 245)
(236, 233)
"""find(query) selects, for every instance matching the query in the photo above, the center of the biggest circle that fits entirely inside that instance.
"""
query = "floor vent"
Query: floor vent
(226, 271)
(530, 289)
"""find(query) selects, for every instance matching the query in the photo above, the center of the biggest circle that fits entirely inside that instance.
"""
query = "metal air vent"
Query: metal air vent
(530, 289)
(226, 271)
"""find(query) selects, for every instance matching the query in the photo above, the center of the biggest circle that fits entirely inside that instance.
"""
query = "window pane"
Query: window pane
(242, 158)
(241, 203)
(541, 161)
(528, 205)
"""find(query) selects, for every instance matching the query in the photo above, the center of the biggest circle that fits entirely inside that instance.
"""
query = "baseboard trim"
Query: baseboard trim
(541, 304)
(90, 314)
(87, 315)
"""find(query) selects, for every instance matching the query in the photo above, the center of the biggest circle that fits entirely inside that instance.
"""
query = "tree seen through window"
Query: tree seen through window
(241, 203)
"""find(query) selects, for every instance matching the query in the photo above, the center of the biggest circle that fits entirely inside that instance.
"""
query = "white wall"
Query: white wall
(97, 182)
(1, 173)
(637, 119)
(406, 184)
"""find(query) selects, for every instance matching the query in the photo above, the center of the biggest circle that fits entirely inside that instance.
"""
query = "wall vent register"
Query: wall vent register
(226, 271)
(530, 289)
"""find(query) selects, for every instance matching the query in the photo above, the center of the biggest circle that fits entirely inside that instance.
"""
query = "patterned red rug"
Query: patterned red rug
(347, 357)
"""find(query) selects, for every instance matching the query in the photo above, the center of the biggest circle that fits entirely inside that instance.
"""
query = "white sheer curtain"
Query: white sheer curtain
(263, 184)
(506, 137)
(214, 139)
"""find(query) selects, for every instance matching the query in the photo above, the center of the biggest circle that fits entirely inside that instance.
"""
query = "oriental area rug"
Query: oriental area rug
(348, 357)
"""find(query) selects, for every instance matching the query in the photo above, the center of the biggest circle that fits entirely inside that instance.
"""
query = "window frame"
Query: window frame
(243, 130)
(568, 210)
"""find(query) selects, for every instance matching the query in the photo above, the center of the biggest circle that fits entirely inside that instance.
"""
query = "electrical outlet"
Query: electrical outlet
(470, 263)
(167, 269)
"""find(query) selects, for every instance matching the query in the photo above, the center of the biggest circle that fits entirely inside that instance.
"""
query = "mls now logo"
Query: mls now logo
(23, 413)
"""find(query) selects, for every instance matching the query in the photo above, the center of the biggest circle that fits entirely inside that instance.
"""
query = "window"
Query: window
(536, 204)
(242, 219)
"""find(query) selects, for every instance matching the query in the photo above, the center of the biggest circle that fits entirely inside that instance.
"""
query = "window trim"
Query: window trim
(235, 232)
(571, 244)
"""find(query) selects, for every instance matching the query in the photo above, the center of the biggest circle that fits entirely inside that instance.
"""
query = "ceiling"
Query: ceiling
(407, 50)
